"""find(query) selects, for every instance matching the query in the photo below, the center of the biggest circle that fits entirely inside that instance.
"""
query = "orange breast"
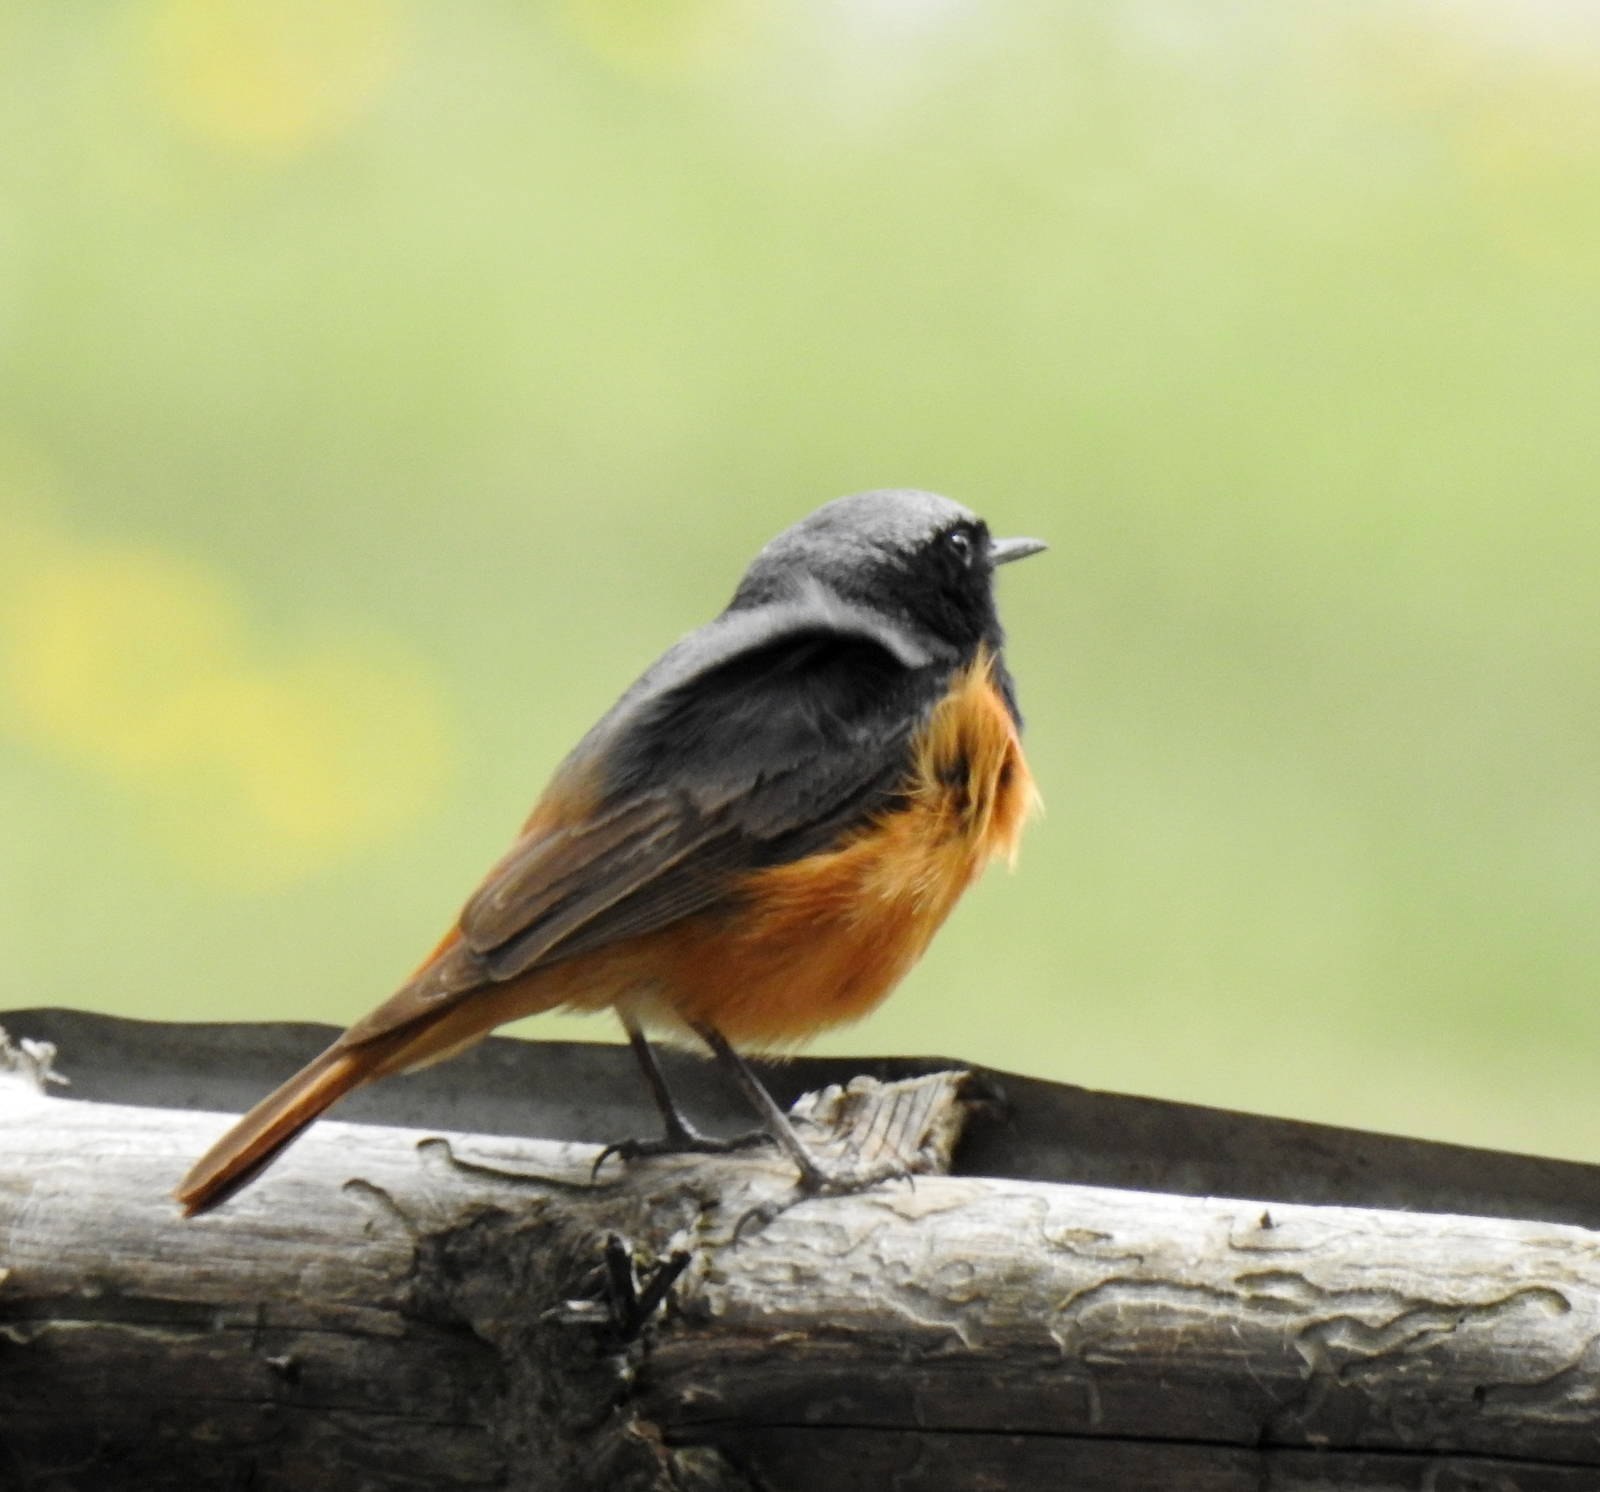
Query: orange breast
(822, 940)
(813, 943)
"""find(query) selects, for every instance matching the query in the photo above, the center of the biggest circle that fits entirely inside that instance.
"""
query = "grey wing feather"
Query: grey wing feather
(755, 740)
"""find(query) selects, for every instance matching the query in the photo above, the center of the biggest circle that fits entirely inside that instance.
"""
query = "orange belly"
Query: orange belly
(813, 943)
(822, 940)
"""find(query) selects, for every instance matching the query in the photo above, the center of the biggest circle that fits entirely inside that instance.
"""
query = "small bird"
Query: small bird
(755, 843)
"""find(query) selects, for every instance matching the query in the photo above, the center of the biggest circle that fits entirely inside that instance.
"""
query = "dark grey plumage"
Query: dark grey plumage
(764, 736)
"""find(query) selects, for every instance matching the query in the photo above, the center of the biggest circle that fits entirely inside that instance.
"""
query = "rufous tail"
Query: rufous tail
(263, 1134)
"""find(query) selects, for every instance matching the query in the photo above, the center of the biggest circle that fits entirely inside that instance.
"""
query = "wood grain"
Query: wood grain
(399, 1308)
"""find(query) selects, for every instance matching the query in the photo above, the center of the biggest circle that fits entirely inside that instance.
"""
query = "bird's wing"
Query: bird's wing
(735, 758)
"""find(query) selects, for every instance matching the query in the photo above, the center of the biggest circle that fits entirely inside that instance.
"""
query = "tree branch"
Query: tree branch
(395, 1307)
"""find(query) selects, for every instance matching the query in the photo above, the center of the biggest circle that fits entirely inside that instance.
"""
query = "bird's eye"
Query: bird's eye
(960, 541)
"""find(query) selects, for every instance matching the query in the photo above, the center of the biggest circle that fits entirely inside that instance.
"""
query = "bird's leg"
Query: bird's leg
(815, 1177)
(679, 1136)
(676, 1122)
(812, 1174)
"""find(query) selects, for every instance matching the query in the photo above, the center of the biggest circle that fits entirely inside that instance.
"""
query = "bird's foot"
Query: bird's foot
(681, 1139)
(818, 1180)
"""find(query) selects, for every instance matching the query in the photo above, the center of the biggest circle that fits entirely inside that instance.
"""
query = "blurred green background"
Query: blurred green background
(383, 385)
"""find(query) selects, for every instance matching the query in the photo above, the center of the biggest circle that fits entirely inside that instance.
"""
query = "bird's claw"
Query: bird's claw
(683, 1142)
(845, 1182)
(818, 1181)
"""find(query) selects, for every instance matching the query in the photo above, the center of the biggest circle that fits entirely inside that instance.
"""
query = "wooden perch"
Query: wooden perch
(402, 1308)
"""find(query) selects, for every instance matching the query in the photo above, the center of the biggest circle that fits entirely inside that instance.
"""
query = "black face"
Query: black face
(914, 556)
(945, 584)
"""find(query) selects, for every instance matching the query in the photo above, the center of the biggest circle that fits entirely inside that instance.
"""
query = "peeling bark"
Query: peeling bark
(399, 1308)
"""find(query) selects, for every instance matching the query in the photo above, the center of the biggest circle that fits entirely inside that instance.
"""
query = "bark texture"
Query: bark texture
(403, 1308)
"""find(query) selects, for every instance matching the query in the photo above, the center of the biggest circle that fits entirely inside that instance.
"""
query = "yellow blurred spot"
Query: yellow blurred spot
(138, 666)
(662, 36)
(1514, 92)
(272, 75)
(320, 757)
(101, 643)
(1534, 153)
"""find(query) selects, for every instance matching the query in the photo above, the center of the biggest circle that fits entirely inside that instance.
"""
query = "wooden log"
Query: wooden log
(397, 1307)
(589, 1091)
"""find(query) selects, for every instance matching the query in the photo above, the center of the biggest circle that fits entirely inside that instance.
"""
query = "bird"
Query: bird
(754, 844)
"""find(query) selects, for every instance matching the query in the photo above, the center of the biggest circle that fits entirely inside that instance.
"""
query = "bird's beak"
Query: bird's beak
(1003, 551)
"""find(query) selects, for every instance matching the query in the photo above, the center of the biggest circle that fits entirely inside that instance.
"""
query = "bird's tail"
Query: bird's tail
(263, 1134)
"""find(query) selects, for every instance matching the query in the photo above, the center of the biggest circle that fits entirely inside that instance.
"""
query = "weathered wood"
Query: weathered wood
(562, 1090)
(392, 1308)
(385, 1308)
(1394, 1345)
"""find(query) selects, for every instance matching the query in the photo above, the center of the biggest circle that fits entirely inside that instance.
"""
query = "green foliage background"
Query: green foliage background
(382, 385)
